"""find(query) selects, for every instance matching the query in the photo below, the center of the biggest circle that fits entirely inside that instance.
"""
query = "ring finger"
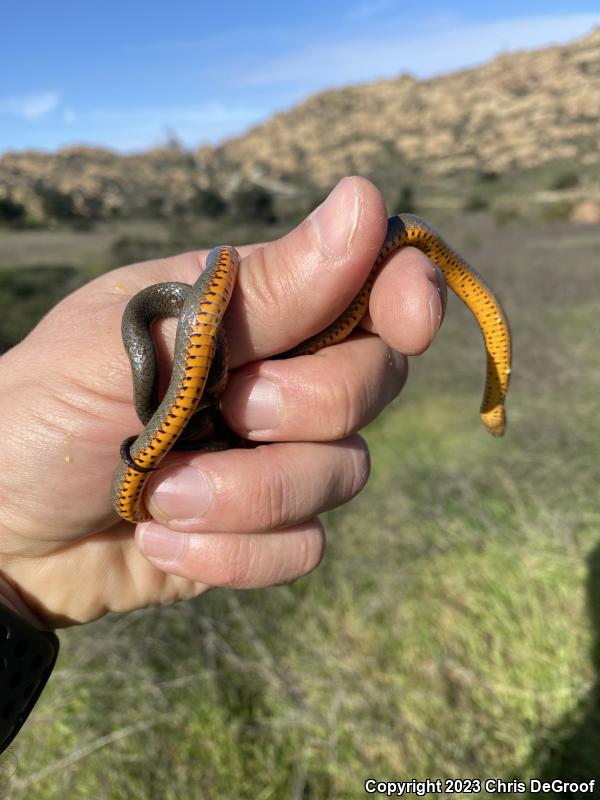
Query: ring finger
(253, 491)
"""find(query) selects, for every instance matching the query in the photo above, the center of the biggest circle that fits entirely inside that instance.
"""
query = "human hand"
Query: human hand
(238, 518)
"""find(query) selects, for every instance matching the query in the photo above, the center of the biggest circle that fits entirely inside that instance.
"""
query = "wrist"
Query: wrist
(11, 599)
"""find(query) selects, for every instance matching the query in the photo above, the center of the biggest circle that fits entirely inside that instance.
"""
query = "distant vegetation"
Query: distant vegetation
(12, 213)
(476, 202)
(565, 179)
(253, 212)
(405, 202)
(27, 293)
(512, 194)
(249, 203)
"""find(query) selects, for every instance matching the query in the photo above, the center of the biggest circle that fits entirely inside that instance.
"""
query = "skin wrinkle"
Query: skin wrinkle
(245, 565)
(55, 425)
(268, 502)
(243, 552)
(43, 433)
(56, 422)
(256, 287)
(351, 399)
(273, 499)
(17, 519)
(338, 396)
(236, 556)
(167, 588)
(99, 387)
(68, 403)
(233, 552)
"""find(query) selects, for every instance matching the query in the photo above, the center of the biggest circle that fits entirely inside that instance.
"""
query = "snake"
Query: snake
(188, 415)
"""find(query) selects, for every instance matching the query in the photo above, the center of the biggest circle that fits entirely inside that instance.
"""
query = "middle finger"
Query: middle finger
(321, 397)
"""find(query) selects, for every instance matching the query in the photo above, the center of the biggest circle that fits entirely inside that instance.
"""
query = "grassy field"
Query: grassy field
(453, 629)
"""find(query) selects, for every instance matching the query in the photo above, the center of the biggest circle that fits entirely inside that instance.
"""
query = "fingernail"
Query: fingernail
(160, 543)
(335, 220)
(435, 308)
(262, 406)
(183, 493)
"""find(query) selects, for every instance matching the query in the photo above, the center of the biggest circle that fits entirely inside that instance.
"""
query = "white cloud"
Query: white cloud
(133, 128)
(30, 107)
(213, 112)
(394, 49)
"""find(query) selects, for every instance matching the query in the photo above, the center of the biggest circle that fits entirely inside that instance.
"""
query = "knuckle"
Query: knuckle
(341, 403)
(269, 287)
(239, 563)
(270, 498)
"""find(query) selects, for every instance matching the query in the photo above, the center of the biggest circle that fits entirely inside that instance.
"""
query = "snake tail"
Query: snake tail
(469, 287)
(408, 229)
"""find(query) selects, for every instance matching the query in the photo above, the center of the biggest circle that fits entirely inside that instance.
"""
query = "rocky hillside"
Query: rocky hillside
(519, 110)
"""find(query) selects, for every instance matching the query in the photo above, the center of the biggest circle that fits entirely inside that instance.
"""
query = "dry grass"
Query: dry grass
(452, 630)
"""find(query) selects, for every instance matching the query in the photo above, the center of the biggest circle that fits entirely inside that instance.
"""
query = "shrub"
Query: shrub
(555, 212)
(11, 212)
(476, 202)
(208, 203)
(254, 204)
(131, 249)
(155, 207)
(488, 176)
(406, 200)
(57, 205)
(565, 180)
(506, 214)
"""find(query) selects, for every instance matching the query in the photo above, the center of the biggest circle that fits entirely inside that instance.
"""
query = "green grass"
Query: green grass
(543, 193)
(453, 629)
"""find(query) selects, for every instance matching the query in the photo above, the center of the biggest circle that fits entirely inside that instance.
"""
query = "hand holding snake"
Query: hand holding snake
(233, 518)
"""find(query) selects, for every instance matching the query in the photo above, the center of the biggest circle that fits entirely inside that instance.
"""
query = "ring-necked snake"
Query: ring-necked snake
(199, 369)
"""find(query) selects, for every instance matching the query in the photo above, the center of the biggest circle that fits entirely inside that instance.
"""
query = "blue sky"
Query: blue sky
(127, 74)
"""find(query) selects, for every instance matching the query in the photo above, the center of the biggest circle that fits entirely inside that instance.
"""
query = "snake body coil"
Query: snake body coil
(199, 339)
(202, 309)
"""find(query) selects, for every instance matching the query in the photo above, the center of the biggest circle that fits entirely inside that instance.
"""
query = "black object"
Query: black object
(27, 657)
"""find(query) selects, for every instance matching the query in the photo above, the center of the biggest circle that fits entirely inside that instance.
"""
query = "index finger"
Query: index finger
(294, 287)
